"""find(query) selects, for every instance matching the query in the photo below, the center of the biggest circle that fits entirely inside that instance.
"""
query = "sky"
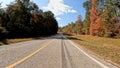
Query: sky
(65, 11)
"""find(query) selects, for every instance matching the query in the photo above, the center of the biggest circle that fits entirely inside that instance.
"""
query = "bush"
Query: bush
(109, 34)
(3, 33)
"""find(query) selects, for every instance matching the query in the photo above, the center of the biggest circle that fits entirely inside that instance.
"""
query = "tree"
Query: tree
(3, 31)
(87, 5)
(50, 23)
(96, 26)
(79, 25)
(104, 15)
(110, 17)
(23, 18)
(74, 28)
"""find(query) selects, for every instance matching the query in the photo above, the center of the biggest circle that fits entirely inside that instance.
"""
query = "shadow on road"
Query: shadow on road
(57, 36)
(72, 38)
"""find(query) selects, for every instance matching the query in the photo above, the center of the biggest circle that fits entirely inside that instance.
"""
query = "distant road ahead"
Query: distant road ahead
(51, 52)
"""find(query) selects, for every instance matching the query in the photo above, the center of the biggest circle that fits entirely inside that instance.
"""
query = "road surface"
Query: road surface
(50, 52)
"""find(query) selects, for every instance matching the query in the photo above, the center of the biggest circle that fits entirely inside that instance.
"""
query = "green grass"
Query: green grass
(106, 48)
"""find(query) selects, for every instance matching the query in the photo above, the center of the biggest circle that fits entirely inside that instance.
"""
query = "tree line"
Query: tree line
(23, 18)
(102, 19)
(73, 27)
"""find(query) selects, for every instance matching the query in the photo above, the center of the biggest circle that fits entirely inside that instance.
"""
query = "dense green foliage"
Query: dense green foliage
(23, 18)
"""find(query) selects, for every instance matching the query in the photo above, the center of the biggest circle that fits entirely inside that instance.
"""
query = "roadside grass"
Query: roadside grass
(1, 43)
(18, 40)
(10, 41)
(107, 48)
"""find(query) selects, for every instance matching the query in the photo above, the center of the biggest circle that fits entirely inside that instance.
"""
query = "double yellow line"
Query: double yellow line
(30, 55)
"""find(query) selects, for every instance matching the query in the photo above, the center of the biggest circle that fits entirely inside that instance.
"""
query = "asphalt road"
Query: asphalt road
(51, 52)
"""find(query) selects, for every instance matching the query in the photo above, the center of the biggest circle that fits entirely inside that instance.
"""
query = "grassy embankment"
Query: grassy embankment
(9, 41)
(106, 48)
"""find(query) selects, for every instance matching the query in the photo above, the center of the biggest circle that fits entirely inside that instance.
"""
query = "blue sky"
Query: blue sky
(65, 11)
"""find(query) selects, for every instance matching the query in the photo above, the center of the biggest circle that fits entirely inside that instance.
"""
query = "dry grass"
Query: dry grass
(107, 48)
(18, 40)
(10, 41)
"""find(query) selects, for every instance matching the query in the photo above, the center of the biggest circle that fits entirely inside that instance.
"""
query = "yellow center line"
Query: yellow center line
(30, 55)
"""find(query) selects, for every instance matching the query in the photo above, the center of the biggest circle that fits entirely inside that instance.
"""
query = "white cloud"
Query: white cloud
(73, 11)
(58, 7)
(58, 18)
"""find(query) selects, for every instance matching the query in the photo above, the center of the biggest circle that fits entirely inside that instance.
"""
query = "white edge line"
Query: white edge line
(104, 66)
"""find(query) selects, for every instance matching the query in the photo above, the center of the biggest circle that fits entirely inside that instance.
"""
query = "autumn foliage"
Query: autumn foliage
(96, 25)
(102, 19)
